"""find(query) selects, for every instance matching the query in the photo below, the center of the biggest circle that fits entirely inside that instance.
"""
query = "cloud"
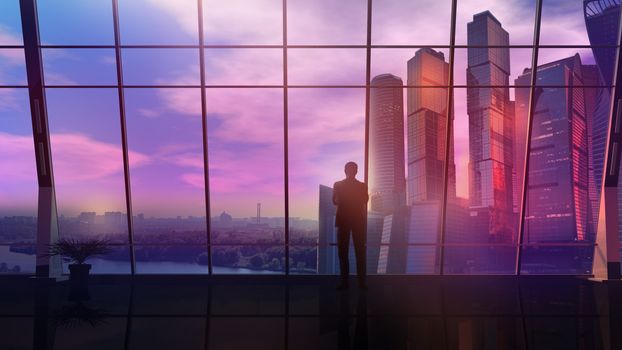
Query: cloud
(184, 101)
(9, 100)
(8, 38)
(78, 157)
(232, 21)
(12, 62)
(17, 159)
(241, 21)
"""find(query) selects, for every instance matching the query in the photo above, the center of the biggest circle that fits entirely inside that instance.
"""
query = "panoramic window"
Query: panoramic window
(205, 136)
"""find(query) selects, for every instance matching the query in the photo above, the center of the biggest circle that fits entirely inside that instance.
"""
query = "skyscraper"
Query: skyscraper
(426, 131)
(558, 206)
(427, 127)
(386, 144)
(602, 21)
(327, 260)
(491, 123)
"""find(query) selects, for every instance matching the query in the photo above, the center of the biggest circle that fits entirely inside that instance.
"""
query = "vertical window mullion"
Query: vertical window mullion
(208, 221)
(448, 134)
(530, 113)
(126, 165)
(285, 139)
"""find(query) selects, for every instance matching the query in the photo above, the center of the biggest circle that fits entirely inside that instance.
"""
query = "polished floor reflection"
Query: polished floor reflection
(269, 312)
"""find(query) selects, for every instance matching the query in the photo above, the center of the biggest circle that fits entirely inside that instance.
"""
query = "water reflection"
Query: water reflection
(396, 313)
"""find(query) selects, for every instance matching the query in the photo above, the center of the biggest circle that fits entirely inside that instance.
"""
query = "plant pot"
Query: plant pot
(79, 272)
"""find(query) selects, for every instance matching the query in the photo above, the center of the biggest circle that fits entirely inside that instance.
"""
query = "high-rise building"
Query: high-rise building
(558, 205)
(602, 21)
(387, 182)
(327, 259)
(597, 103)
(427, 128)
(491, 123)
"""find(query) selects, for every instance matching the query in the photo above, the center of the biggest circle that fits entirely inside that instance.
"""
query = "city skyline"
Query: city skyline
(323, 106)
(180, 104)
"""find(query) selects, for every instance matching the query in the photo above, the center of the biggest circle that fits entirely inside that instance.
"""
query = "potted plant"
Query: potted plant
(78, 251)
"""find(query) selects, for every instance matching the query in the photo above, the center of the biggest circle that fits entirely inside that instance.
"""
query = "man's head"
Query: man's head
(351, 169)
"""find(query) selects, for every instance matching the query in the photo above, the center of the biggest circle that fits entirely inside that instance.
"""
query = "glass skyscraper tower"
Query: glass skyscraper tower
(491, 124)
(427, 125)
(386, 144)
(558, 206)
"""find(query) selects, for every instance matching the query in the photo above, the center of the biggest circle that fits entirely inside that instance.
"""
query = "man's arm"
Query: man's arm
(335, 196)
(366, 192)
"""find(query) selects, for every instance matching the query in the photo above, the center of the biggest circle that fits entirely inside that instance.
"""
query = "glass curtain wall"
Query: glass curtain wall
(18, 174)
(240, 116)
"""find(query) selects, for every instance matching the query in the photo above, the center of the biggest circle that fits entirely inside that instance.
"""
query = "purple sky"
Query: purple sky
(245, 126)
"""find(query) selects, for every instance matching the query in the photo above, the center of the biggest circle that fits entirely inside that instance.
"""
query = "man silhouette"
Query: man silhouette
(350, 196)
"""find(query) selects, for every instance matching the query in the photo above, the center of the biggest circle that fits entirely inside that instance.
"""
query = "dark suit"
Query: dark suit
(350, 196)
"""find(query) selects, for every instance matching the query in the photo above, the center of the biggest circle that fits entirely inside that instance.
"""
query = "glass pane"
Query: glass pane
(498, 22)
(572, 259)
(88, 163)
(564, 22)
(164, 129)
(567, 144)
(171, 259)
(327, 22)
(306, 259)
(258, 22)
(79, 66)
(490, 66)
(10, 23)
(480, 259)
(18, 183)
(583, 59)
(159, 22)
(246, 259)
(246, 166)
(326, 66)
(161, 67)
(244, 66)
(326, 130)
(75, 22)
(396, 22)
(602, 21)
(425, 141)
(396, 61)
(12, 67)
(486, 163)
(115, 262)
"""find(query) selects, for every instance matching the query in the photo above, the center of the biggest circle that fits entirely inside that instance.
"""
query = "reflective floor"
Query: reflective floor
(269, 312)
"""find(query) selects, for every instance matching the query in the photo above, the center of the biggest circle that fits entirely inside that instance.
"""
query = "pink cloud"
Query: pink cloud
(78, 158)
(17, 159)
(7, 38)
(184, 101)
(194, 179)
(241, 21)
(244, 66)
(327, 22)
(326, 66)
(234, 21)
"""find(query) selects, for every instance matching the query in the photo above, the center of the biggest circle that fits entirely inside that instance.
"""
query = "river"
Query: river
(104, 266)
